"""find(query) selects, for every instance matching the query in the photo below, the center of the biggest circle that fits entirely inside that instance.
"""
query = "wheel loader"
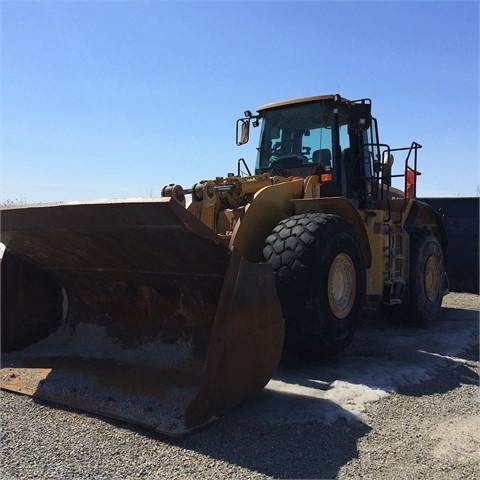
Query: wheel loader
(165, 314)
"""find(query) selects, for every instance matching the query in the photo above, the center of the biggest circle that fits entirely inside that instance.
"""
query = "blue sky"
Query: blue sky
(117, 99)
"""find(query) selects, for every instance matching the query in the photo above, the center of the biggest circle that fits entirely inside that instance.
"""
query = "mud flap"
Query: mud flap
(159, 323)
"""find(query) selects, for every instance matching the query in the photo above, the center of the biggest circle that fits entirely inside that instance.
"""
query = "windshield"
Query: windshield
(297, 136)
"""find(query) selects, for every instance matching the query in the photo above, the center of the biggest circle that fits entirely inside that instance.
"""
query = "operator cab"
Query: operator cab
(320, 135)
(296, 139)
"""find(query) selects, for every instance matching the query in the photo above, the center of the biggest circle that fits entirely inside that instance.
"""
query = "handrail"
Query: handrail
(242, 160)
(410, 184)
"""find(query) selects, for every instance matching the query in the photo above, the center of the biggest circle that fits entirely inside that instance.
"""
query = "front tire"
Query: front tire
(320, 280)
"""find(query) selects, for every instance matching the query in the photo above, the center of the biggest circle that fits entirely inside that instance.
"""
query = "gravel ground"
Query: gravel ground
(423, 430)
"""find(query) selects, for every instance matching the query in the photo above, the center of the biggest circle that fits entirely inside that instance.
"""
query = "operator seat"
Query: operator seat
(322, 158)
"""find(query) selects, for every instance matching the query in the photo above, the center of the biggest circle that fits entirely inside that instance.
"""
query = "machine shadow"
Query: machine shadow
(267, 433)
(308, 450)
(278, 447)
(286, 434)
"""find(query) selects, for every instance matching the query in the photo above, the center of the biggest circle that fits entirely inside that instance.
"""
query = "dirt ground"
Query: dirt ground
(400, 402)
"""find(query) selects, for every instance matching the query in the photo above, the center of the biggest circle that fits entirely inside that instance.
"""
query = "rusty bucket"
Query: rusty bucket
(133, 310)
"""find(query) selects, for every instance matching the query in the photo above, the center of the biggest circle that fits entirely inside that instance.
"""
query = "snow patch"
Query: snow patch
(382, 359)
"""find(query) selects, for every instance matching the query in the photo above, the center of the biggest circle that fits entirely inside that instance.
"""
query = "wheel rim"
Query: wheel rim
(341, 285)
(432, 278)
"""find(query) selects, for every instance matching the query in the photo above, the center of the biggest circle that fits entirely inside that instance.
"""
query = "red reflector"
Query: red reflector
(326, 177)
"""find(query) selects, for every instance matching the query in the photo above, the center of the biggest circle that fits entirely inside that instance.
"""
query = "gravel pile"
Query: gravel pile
(425, 430)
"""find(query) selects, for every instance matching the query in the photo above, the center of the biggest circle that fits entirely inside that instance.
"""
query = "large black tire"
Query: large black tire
(320, 279)
(427, 276)
(426, 280)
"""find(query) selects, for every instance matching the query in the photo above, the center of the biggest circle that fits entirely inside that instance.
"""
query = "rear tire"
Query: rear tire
(320, 280)
(426, 281)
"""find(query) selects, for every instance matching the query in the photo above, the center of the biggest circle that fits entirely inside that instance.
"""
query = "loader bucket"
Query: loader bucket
(133, 310)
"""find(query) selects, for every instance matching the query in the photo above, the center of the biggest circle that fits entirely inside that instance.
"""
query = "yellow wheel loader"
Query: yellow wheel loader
(165, 314)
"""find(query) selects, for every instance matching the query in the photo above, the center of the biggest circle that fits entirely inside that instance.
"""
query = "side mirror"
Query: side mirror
(361, 116)
(387, 163)
(387, 160)
(243, 131)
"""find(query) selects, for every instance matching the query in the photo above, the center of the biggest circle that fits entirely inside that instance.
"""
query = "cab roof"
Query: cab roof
(292, 101)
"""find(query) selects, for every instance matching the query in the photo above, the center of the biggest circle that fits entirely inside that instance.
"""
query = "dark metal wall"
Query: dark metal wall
(462, 225)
